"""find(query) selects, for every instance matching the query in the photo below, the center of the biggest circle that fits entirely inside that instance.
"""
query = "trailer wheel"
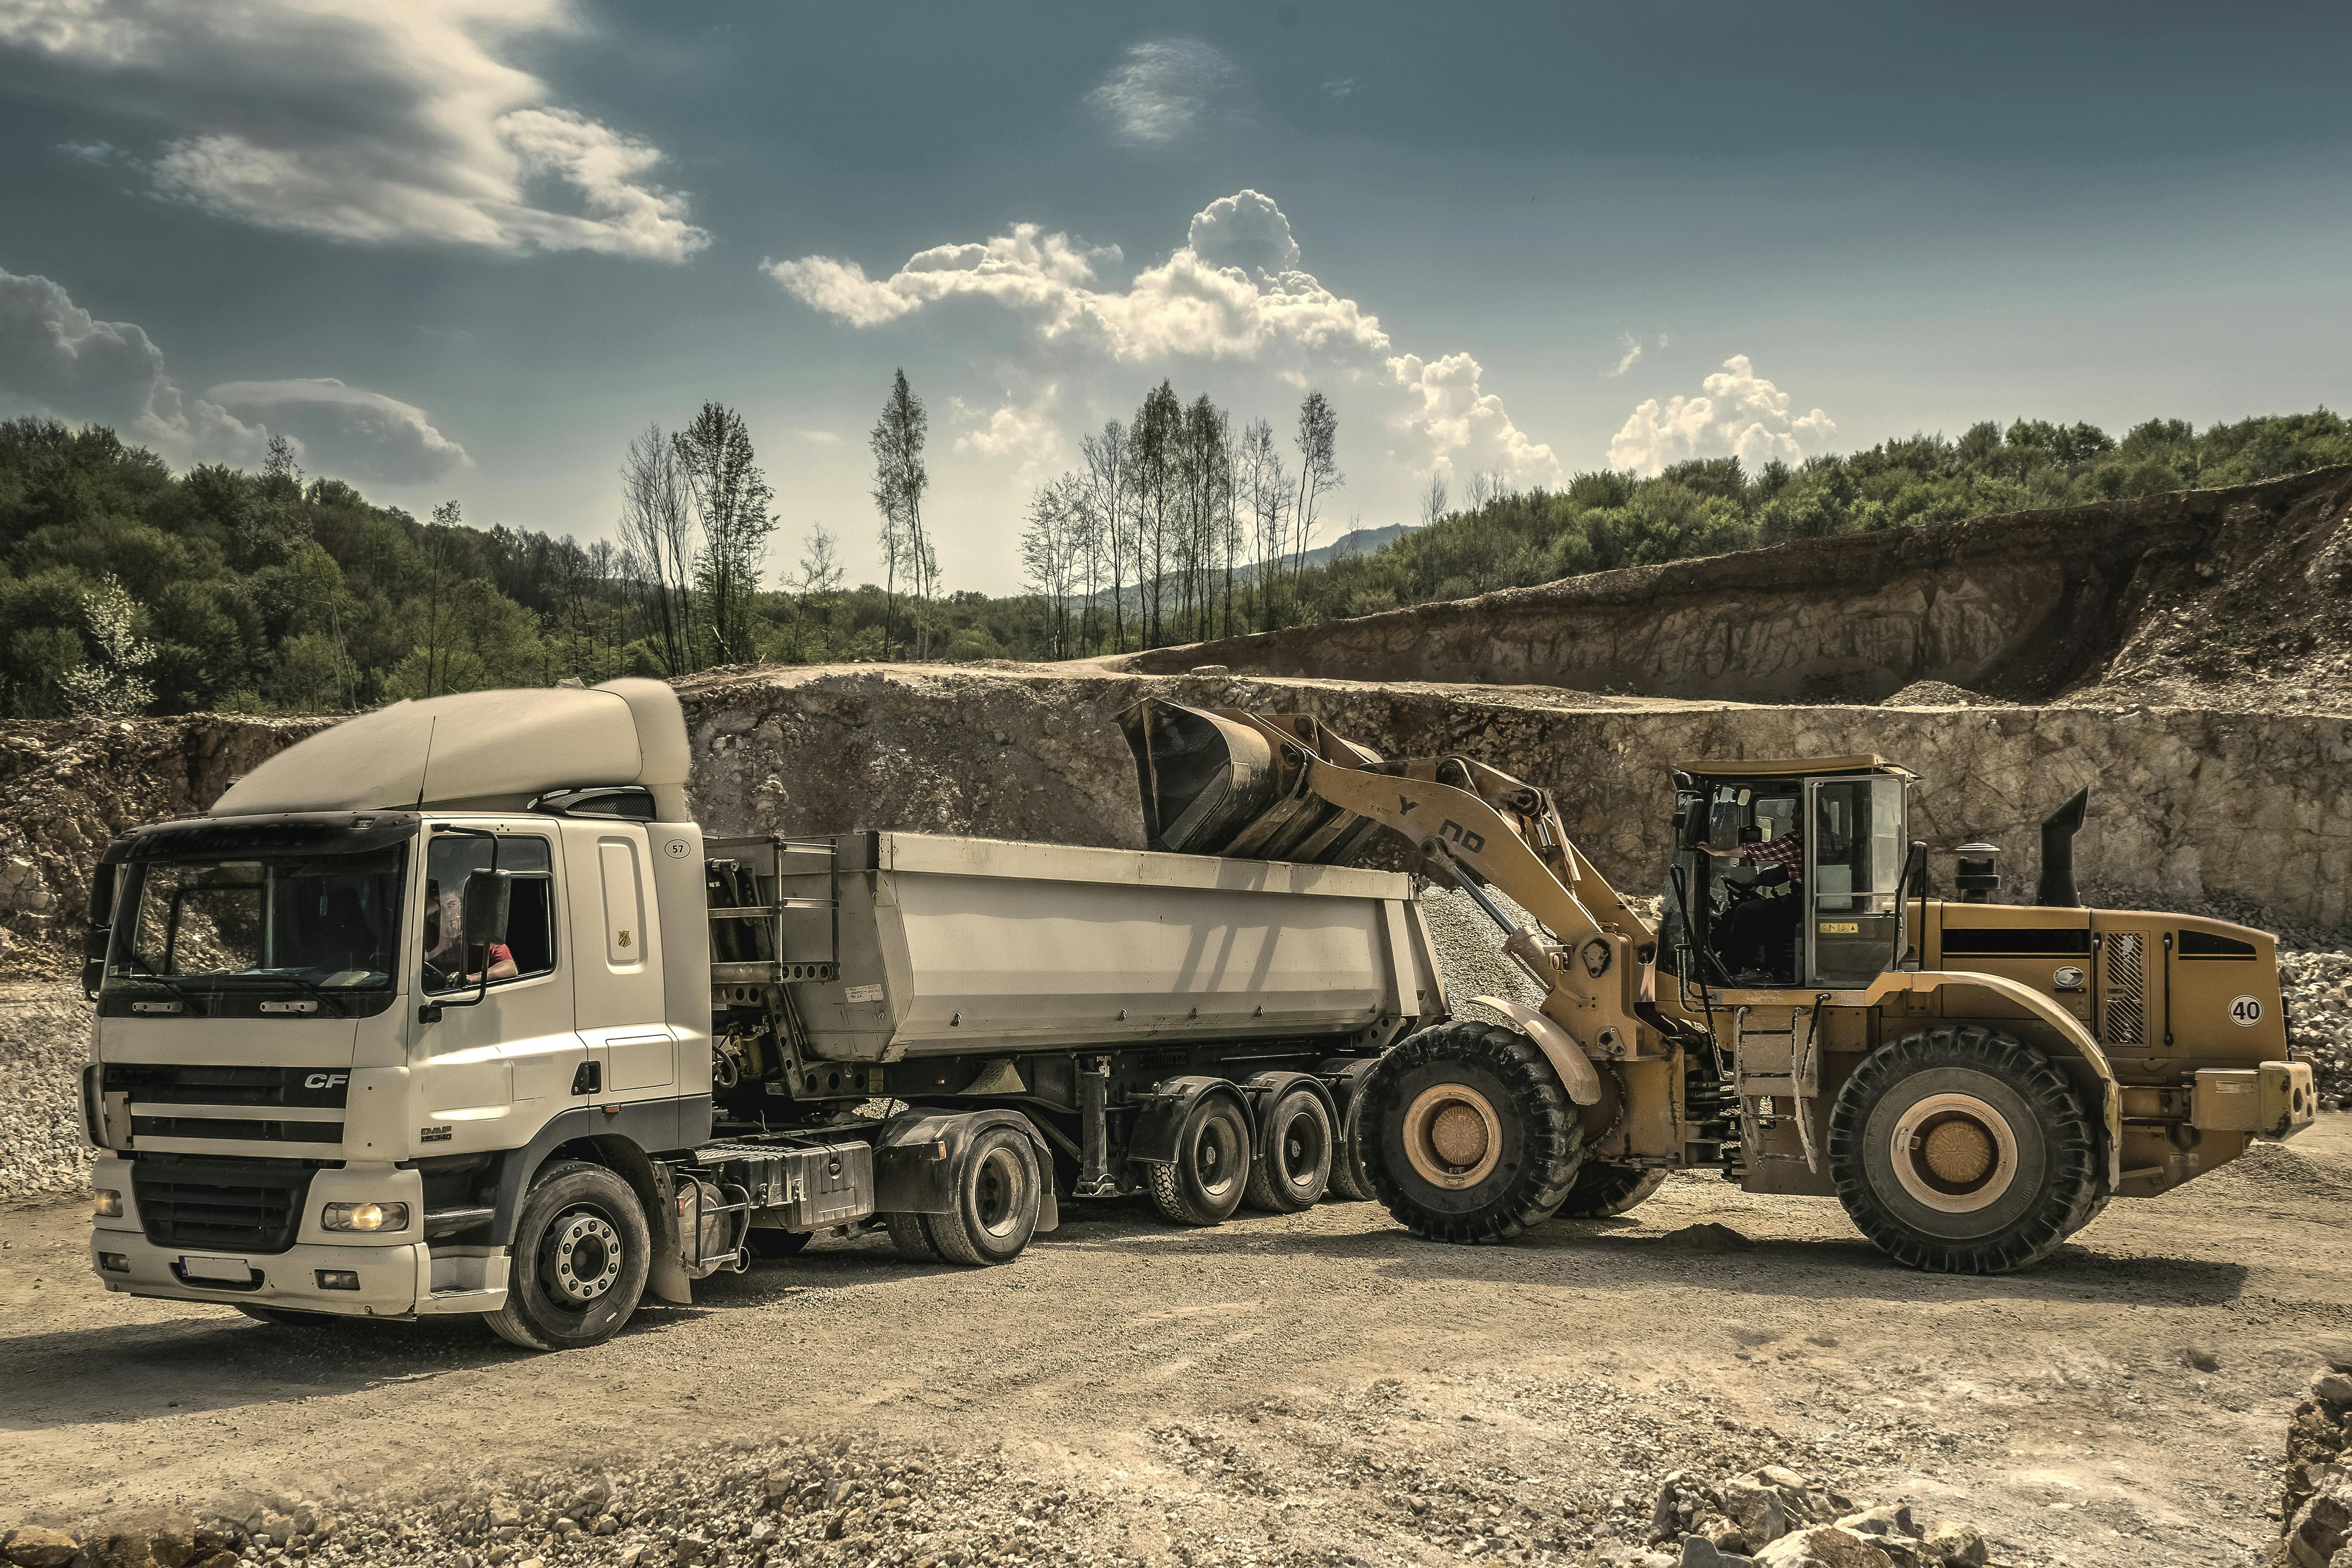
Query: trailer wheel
(582, 1252)
(1475, 1135)
(1962, 1151)
(1352, 1178)
(996, 1193)
(1293, 1163)
(1205, 1183)
(1601, 1190)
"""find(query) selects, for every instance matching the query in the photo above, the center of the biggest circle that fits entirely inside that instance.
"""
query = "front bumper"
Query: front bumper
(388, 1276)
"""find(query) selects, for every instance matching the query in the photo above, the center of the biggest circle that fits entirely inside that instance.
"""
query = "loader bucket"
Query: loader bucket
(1234, 783)
(1204, 779)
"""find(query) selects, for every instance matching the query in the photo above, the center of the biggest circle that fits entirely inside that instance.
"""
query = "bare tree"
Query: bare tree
(1106, 479)
(1433, 498)
(1267, 490)
(1153, 476)
(899, 481)
(1318, 469)
(657, 530)
(1049, 554)
(730, 500)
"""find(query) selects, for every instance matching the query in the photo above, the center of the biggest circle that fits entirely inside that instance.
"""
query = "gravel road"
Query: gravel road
(1283, 1389)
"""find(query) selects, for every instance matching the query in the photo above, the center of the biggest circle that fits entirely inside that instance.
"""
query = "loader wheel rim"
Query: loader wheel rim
(1453, 1136)
(581, 1259)
(1954, 1153)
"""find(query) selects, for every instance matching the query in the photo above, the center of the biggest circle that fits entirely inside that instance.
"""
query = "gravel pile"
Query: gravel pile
(43, 1043)
(1940, 694)
(1549, 1473)
(2315, 1497)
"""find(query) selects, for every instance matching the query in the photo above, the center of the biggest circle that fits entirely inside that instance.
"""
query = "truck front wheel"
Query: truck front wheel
(1961, 1150)
(582, 1252)
(1475, 1135)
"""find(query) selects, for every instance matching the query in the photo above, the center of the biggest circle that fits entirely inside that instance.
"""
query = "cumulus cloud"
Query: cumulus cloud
(361, 122)
(1737, 413)
(1233, 293)
(1160, 92)
(1023, 430)
(56, 358)
(348, 430)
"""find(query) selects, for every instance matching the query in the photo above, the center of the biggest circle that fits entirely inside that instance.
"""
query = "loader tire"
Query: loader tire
(1601, 1190)
(1205, 1183)
(1293, 1165)
(1961, 1150)
(1474, 1137)
(582, 1251)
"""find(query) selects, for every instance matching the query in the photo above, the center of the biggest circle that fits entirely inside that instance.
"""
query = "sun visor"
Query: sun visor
(489, 749)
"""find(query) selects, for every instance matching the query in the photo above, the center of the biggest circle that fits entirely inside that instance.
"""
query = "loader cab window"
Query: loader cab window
(1856, 850)
(1745, 882)
(451, 963)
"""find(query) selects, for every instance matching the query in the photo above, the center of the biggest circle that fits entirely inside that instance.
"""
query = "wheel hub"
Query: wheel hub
(1954, 1153)
(581, 1259)
(1453, 1136)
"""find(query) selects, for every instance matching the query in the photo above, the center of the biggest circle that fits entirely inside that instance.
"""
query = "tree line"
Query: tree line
(127, 587)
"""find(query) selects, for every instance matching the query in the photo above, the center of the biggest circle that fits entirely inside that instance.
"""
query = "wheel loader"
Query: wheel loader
(1972, 1080)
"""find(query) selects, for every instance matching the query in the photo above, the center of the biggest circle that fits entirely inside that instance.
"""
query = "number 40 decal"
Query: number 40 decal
(2246, 1011)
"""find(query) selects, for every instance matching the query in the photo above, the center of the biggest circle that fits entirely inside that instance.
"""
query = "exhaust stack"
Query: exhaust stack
(2058, 829)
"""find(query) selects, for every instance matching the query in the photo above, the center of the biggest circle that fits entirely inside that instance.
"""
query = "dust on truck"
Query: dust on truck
(454, 1009)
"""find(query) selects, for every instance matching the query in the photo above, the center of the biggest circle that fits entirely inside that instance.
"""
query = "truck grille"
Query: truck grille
(192, 1201)
(155, 1084)
(237, 1129)
(2123, 986)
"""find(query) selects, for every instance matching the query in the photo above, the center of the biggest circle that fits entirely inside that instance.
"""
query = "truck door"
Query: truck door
(622, 1019)
(517, 1048)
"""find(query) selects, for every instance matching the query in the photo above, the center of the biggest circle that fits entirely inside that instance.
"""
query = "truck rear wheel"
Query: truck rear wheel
(1352, 1176)
(1205, 1183)
(1476, 1139)
(997, 1195)
(1601, 1190)
(1293, 1165)
(582, 1252)
(1961, 1150)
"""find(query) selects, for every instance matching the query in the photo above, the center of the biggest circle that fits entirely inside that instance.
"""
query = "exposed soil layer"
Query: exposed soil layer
(2222, 598)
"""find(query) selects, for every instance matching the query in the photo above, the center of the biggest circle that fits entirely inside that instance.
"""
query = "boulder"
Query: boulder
(1824, 1546)
(37, 1546)
(1954, 1545)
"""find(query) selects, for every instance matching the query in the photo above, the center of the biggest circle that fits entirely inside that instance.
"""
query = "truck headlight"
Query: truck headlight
(106, 1204)
(365, 1216)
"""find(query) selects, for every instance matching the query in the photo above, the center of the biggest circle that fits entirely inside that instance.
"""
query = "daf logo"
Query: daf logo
(327, 1080)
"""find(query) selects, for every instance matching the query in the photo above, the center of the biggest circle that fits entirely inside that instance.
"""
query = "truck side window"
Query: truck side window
(529, 947)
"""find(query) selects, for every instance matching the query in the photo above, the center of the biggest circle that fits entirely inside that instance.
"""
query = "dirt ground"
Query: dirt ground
(1221, 1380)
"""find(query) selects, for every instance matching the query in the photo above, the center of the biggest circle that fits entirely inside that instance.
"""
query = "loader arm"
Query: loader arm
(1226, 782)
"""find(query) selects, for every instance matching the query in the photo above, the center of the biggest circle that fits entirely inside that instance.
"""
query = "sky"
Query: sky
(464, 249)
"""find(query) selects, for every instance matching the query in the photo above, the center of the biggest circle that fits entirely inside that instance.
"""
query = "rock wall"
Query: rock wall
(2252, 809)
(2139, 595)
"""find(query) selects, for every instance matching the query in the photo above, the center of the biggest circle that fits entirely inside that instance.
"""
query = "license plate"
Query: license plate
(234, 1270)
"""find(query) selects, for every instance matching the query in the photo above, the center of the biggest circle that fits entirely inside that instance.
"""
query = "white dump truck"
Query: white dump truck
(453, 1009)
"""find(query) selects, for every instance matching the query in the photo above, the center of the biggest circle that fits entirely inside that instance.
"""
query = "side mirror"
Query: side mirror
(488, 896)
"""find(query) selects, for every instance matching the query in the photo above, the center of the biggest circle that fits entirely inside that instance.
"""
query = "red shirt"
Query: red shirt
(1788, 851)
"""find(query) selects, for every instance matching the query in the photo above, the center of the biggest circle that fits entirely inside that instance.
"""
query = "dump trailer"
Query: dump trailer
(1973, 1080)
(454, 1009)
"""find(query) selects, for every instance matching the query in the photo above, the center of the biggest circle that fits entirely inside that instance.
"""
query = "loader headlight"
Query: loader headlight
(365, 1216)
(106, 1203)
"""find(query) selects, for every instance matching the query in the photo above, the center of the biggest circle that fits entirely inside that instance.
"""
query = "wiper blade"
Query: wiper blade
(166, 981)
(320, 992)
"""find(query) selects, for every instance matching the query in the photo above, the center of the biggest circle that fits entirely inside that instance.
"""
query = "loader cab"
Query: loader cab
(1788, 873)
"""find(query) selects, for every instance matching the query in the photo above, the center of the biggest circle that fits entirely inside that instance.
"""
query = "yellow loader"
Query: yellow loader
(1972, 1080)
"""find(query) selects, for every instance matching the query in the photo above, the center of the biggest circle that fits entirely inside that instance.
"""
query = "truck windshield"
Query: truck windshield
(331, 921)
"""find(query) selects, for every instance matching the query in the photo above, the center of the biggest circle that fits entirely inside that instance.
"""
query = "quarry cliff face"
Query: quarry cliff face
(2157, 599)
(2187, 803)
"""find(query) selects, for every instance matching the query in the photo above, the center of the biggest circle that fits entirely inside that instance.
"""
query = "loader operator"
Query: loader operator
(1754, 934)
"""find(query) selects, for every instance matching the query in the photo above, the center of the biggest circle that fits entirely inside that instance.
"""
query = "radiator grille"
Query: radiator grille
(220, 1203)
(2122, 986)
